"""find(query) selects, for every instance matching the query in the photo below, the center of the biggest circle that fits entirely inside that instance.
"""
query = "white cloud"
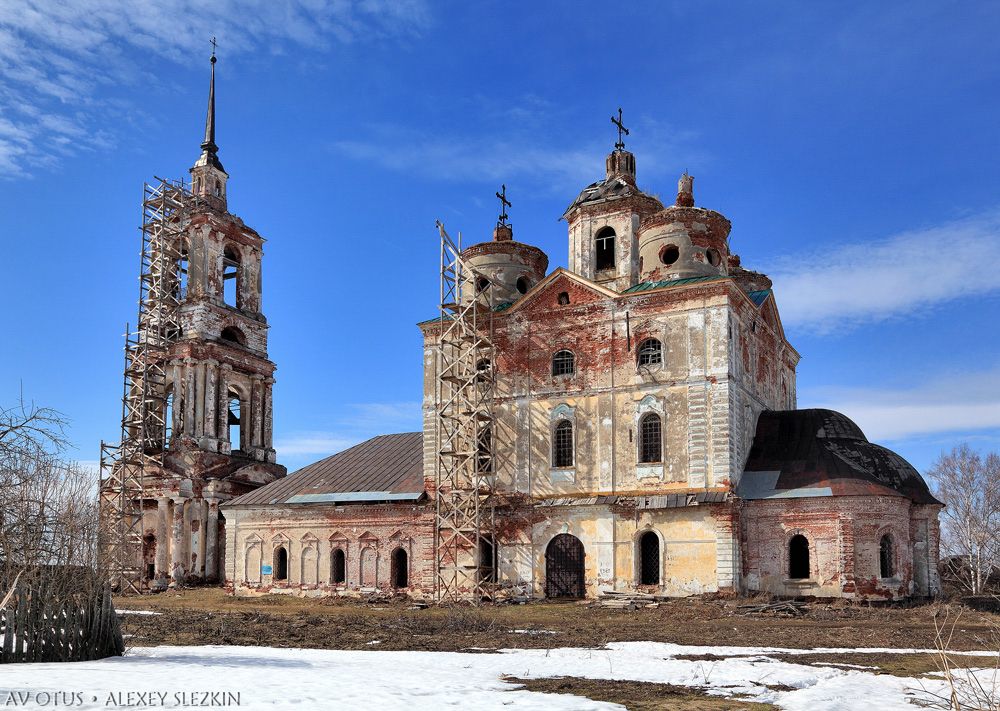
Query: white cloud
(55, 57)
(533, 141)
(874, 281)
(360, 422)
(961, 404)
(312, 443)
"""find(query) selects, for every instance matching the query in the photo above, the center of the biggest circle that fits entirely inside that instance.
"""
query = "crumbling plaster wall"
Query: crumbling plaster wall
(707, 396)
(689, 546)
(844, 534)
(368, 534)
(582, 234)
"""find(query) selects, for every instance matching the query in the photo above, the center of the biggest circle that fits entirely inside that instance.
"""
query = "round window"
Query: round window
(669, 254)
(522, 285)
(482, 283)
(714, 258)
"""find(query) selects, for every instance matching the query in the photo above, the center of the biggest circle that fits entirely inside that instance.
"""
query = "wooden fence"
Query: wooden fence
(59, 614)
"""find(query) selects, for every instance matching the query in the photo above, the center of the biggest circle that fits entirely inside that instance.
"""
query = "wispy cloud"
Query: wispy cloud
(58, 59)
(532, 140)
(964, 404)
(359, 422)
(874, 281)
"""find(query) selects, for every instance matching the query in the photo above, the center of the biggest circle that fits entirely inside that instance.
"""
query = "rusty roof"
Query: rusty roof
(384, 468)
(806, 453)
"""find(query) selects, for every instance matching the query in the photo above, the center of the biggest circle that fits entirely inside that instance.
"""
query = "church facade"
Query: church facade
(645, 434)
(645, 437)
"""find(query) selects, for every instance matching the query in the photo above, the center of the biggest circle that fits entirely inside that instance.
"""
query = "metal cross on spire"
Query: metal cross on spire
(504, 204)
(621, 129)
(214, 45)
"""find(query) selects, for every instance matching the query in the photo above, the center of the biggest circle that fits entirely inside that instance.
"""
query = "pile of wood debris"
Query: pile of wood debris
(628, 600)
(787, 608)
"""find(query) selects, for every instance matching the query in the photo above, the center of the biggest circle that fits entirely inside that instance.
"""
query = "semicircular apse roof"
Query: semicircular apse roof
(806, 453)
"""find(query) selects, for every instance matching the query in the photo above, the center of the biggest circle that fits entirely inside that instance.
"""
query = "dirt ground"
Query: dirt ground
(210, 616)
(639, 695)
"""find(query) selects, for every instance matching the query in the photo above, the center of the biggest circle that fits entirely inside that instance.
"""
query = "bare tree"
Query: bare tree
(51, 589)
(969, 486)
(48, 505)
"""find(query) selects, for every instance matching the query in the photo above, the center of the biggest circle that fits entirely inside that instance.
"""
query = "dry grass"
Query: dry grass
(639, 695)
(209, 616)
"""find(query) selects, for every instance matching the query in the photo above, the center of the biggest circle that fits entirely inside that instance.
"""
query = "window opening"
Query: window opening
(562, 448)
(604, 253)
(563, 363)
(650, 439)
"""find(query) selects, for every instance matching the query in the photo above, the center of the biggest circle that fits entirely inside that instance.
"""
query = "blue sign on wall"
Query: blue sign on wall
(265, 570)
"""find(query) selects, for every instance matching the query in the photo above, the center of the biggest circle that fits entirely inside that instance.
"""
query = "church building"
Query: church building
(644, 432)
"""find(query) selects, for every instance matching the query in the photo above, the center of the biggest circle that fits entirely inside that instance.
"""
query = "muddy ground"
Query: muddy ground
(209, 616)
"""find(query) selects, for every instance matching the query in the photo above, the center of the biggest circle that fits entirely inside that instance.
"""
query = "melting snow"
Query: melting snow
(267, 677)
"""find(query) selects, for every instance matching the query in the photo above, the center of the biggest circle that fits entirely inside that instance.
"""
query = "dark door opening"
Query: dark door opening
(798, 557)
(339, 567)
(400, 570)
(281, 564)
(564, 559)
(649, 559)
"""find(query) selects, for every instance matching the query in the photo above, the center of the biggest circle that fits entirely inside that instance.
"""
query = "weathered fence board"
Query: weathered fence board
(59, 615)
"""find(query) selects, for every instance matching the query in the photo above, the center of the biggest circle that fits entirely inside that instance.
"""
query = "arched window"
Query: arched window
(182, 274)
(650, 439)
(604, 250)
(234, 421)
(168, 419)
(281, 564)
(650, 352)
(484, 456)
(798, 557)
(563, 298)
(483, 371)
(487, 560)
(649, 559)
(338, 567)
(233, 335)
(562, 444)
(886, 559)
(400, 570)
(231, 276)
(218, 189)
(563, 363)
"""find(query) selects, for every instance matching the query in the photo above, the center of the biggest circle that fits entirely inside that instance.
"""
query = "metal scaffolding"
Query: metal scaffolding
(144, 396)
(464, 471)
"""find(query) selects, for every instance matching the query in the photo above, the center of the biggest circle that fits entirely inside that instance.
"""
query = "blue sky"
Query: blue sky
(853, 146)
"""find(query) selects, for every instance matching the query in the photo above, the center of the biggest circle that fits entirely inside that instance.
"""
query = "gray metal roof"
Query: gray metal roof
(384, 468)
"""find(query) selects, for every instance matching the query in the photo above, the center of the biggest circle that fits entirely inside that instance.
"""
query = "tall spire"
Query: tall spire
(210, 151)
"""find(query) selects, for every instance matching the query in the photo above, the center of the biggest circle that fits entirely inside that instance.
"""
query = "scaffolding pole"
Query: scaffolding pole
(464, 471)
(144, 391)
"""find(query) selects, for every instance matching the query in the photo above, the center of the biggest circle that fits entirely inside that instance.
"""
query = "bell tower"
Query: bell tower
(198, 428)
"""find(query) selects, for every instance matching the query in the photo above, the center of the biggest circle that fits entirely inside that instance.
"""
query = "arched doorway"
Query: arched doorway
(798, 557)
(281, 564)
(564, 558)
(338, 567)
(400, 569)
(649, 559)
